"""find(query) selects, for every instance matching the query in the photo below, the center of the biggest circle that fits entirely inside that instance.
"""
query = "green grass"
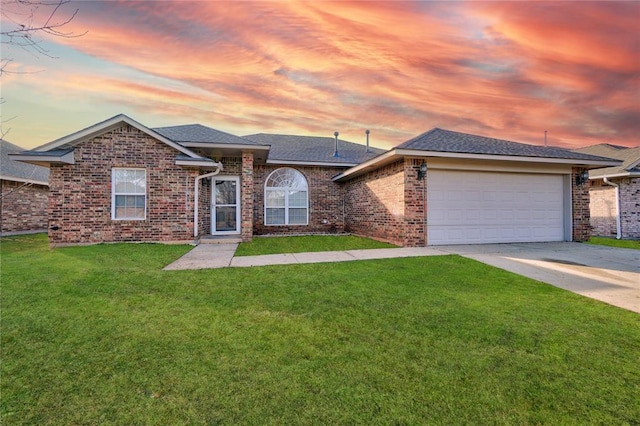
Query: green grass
(612, 242)
(101, 335)
(311, 243)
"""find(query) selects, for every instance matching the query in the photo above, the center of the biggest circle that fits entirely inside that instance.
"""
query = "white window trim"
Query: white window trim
(113, 194)
(286, 199)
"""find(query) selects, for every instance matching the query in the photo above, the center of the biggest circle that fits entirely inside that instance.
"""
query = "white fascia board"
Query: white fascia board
(634, 164)
(207, 164)
(418, 153)
(105, 126)
(227, 146)
(24, 180)
(375, 162)
(40, 160)
(310, 163)
(615, 175)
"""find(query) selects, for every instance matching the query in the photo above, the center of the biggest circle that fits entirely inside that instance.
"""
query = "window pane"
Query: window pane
(130, 206)
(286, 178)
(274, 217)
(297, 216)
(226, 218)
(275, 198)
(297, 198)
(225, 192)
(130, 181)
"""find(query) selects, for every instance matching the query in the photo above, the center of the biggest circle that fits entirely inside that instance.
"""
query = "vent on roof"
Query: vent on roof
(335, 153)
(367, 133)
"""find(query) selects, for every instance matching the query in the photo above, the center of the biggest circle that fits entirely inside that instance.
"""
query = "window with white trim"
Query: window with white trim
(286, 198)
(128, 194)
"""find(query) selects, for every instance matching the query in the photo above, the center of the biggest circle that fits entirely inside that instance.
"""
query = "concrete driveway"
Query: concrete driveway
(609, 274)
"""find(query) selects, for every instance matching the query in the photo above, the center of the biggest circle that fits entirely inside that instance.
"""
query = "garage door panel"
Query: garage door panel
(484, 207)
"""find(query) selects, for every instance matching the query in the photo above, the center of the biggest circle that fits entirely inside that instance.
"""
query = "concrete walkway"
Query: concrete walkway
(607, 274)
(208, 256)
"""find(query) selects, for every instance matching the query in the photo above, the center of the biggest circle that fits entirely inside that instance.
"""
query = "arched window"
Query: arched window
(286, 198)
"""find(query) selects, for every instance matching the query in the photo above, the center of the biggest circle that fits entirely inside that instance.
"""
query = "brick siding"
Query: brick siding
(375, 204)
(23, 207)
(80, 196)
(580, 207)
(630, 207)
(325, 202)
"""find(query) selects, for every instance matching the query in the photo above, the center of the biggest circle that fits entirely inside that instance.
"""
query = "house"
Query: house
(615, 192)
(24, 194)
(119, 180)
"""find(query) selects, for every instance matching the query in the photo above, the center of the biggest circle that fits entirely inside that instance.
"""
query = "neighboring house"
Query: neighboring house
(615, 192)
(122, 181)
(24, 194)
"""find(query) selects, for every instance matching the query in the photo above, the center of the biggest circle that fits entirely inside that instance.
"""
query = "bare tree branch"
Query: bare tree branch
(31, 18)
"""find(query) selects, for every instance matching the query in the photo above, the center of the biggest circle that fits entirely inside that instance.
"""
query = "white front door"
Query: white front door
(225, 205)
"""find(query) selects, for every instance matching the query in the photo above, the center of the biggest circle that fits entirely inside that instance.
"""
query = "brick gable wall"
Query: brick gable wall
(80, 197)
(23, 207)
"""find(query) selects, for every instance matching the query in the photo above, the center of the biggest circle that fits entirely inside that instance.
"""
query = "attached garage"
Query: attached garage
(475, 207)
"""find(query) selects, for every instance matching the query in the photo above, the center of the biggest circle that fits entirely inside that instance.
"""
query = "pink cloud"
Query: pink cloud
(505, 69)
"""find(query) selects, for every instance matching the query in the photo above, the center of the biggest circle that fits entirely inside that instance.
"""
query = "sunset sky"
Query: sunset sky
(509, 70)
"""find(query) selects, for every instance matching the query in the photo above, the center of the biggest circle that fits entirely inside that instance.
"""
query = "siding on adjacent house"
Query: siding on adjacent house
(603, 208)
(23, 207)
(80, 196)
(630, 207)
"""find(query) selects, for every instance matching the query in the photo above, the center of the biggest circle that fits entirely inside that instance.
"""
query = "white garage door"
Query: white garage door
(483, 207)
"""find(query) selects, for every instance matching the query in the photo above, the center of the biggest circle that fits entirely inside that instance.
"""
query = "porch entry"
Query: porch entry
(225, 205)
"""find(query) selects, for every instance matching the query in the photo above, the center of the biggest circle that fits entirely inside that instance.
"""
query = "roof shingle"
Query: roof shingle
(197, 133)
(313, 149)
(17, 169)
(440, 140)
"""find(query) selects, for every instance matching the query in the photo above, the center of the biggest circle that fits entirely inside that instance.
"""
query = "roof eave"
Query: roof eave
(200, 163)
(24, 180)
(396, 153)
(311, 163)
(106, 126)
(527, 159)
(225, 146)
(43, 159)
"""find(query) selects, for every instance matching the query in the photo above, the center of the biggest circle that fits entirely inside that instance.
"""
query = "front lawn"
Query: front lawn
(612, 242)
(307, 243)
(101, 335)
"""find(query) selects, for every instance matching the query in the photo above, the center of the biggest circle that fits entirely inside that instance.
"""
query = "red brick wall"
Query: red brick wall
(247, 196)
(23, 207)
(375, 204)
(414, 204)
(630, 207)
(325, 202)
(580, 208)
(80, 196)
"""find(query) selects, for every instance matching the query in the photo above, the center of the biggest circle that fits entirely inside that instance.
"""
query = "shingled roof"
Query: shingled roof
(313, 149)
(630, 160)
(197, 133)
(15, 170)
(439, 140)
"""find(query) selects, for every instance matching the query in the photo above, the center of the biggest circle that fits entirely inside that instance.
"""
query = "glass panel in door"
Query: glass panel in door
(225, 206)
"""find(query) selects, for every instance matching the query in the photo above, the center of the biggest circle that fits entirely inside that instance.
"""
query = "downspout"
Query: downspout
(196, 196)
(617, 187)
